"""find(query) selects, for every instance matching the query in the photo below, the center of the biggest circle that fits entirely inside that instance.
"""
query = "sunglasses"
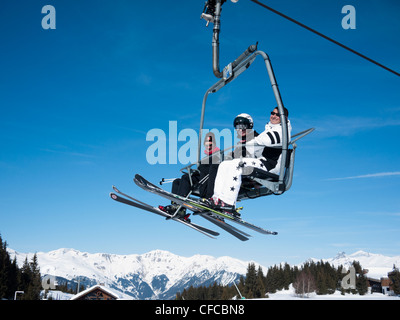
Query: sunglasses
(275, 114)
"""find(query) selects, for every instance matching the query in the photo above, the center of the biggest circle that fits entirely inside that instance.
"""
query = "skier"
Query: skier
(243, 123)
(259, 153)
(208, 167)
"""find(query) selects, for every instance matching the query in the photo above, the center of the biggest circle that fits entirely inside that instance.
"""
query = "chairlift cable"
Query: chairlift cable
(325, 37)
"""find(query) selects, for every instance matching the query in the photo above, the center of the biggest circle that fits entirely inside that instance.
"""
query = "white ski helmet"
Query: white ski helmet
(243, 121)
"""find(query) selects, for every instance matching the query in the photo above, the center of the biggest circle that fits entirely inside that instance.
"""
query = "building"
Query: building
(383, 285)
(387, 284)
(96, 292)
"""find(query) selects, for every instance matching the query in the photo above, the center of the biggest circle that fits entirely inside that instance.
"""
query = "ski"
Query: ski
(195, 205)
(230, 229)
(209, 217)
(225, 226)
(128, 196)
(141, 205)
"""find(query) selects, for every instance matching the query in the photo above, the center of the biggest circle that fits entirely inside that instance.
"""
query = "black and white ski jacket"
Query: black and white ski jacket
(264, 145)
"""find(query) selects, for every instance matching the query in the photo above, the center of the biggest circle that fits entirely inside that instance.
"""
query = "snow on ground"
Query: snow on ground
(290, 295)
(56, 295)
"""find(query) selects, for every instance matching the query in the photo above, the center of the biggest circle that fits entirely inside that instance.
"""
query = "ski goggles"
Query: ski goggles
(241, 127)
(242, 123)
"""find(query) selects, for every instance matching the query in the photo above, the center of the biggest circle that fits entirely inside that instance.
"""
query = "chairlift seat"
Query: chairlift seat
(257, 182)
(262, 174)
(260, 182)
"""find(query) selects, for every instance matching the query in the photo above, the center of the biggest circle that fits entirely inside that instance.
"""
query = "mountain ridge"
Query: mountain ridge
(378, 265)
(159, 274)
(156, 274)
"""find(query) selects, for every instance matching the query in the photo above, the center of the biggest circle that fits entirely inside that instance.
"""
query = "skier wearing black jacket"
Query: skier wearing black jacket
(208, 167)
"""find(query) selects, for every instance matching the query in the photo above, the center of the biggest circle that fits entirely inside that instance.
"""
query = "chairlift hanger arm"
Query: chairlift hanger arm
(215, 39)
(212, 13)
(240, 68)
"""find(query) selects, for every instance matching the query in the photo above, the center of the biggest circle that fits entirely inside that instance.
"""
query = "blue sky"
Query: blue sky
(77, 102)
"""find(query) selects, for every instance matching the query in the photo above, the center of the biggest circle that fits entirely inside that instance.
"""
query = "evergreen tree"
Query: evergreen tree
(30, 279)
(4, 268)
(321, 282)
(9, 273)
(272, 279)
(214, 292)
(13, 280)
(259, 290)
(228, 292)
(394, 276)
(178, 296)
(268, 282)
(26, 278)
(362, 284)
(250, 281)
(36, 285)
(287, 276)
(330, 275)
(260, 274)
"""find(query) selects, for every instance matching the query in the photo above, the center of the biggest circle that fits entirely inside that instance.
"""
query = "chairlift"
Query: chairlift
(258, 182)
(255, 183)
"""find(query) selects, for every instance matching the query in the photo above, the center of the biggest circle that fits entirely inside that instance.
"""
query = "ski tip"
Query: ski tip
(115, 188)
(137, 179)
(113, 196)
(274, 233)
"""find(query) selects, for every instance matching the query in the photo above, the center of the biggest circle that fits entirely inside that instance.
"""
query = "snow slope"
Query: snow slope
(290, 295)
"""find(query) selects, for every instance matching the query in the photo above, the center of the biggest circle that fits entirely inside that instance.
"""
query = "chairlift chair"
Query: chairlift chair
(255, 183)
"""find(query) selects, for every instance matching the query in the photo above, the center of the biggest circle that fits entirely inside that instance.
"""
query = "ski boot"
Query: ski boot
(172, 208)
(218, 204)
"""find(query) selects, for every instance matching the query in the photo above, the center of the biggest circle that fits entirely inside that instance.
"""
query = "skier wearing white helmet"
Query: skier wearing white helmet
(259, 152)
(243, 123)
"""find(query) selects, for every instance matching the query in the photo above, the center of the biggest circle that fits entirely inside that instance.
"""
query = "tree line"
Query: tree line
(319, 277)
(14, 279)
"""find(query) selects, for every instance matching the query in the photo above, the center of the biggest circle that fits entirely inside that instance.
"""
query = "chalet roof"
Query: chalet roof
(85, 292)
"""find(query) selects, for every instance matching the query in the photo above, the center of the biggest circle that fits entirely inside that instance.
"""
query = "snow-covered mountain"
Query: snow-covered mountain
(377, 265)
(153, 275)
(160, 274)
